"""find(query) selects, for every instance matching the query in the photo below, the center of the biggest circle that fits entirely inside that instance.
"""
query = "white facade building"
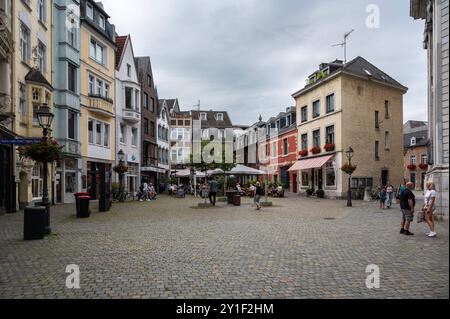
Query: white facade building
(163, 139)
(128, 114)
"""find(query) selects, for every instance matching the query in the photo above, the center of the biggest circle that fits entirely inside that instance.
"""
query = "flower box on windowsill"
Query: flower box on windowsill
(412, 167)
(329, 147)
(303, 153)
(423, 167)
(315, 150)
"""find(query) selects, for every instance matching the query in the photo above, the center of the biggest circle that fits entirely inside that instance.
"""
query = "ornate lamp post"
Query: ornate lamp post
(349, 153)
(121, 156)
(45, 118)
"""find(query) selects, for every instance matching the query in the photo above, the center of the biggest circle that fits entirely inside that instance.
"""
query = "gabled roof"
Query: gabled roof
(421, 139)
(121, 42)
(35, 76)
(211, 121)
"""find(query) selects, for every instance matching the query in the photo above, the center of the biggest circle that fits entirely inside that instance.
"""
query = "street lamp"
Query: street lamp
(121, 156)
(349, 153)
(45, 118)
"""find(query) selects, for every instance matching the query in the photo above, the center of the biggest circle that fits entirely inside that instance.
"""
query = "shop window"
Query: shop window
(305, 179)
(330, 175)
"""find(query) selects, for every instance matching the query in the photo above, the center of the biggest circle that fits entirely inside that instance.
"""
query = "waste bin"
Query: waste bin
(48, 230)
(237, 200)
(230, 196)
(84, 206)
(77, 202)
(34, 223)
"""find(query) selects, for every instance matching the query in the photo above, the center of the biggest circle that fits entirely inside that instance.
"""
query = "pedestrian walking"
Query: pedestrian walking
(382, 195)
(407, 204)
(389, 196)
(213, 191)
(151, 192)
(258, 193)
(429, 208)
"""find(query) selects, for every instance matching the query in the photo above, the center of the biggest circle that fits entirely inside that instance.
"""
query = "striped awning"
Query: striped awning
(309, 163)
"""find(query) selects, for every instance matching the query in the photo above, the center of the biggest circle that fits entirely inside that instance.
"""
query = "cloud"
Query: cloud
(248, 56)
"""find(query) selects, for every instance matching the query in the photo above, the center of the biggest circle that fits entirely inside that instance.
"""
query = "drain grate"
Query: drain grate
(330, 218)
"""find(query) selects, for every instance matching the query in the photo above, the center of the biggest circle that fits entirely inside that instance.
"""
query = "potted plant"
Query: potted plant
(303, 153)
(329, 147)
(43, 152)
(315, 150)
(320, 193)
(412, 167)
(309, 192)
(348, 168)
(423, 166)
(120, 169)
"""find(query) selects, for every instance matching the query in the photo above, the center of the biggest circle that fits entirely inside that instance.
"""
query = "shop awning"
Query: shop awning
(310, 163)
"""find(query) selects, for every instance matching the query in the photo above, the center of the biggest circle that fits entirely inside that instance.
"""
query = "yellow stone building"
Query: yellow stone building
(349, 105)
(97, 88)
(31, 86)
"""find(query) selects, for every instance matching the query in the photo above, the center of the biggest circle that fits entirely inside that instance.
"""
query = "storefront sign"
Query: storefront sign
(20, 141)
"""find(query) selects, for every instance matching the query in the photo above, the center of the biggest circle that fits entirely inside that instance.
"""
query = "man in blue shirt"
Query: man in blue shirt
(213, 187)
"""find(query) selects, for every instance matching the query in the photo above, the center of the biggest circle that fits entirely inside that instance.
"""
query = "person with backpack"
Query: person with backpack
(382, 195)
(258, 193)
(407, 204)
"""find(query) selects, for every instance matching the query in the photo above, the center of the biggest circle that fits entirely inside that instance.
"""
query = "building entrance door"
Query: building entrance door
(384, 177)
(294, 184)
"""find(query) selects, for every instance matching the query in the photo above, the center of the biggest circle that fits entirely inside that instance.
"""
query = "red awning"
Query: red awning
(316, 162)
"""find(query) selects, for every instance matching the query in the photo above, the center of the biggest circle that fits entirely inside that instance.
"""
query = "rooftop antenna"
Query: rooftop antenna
(344, 44)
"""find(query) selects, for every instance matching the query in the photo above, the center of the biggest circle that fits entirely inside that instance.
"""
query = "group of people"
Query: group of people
(147, 192)
(386, 195)
(408, 207)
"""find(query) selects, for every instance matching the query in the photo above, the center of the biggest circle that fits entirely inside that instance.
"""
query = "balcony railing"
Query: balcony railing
(148, 161)
(101, 104)
(131, 115)
(5, 38)
(70, 146)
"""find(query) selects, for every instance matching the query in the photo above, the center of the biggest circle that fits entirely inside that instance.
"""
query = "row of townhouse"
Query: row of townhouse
(67, 54)
(342, 105)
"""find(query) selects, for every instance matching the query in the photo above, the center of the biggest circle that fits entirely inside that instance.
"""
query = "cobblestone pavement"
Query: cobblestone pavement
(301, 248)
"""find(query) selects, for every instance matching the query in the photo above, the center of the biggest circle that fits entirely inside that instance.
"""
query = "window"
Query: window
(386, 110)
(129, 98)
(71, 125)
(377, 150)
(107, 90)
(90, 11)
(101, 21)
(149, 80)
(304, 141)
(413, 141)
(36, 95)
(71, 35)
(152, 105)
(91, 85)
(152, 129)
(91, 131)
(330, 103)
(413, 160)
(274, 150)
(72, 78)
(25, 43)
(316, 109)
(316, 138)
(424, 159)
(386, 140)
(285, 147)
(330, 135)
(146, 100)
(22, 101)
(219, 117)
(42, 8)
(304, 114)
(41, 55)
(35, 110)
(106, 135)
(122, 134)
(146, 126)
(98, 133)
(99, 88)
(128, 70)
(330, 175)
(36, 182)
(203, 117)
(377, 119)
(305, 178)
(134, 136)
(96, 52)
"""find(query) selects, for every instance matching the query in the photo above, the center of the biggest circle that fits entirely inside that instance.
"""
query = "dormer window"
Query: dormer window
(102, 22)
(90, 11)
(129, 70)
(413, 141)
(203, 117)
(219, 117)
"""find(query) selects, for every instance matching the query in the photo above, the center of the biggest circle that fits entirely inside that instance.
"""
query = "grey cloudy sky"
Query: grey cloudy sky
(249, 56)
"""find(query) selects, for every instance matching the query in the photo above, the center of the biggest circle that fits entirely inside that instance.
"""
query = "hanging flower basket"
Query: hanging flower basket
(120, 169)
(329, 147)
(303, 153)
(348, 168)
(315, 150)
(412, 167)
(423, 166)
(42, 152)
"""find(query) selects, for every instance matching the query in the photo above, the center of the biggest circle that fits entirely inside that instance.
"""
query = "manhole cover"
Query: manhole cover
(330, 218)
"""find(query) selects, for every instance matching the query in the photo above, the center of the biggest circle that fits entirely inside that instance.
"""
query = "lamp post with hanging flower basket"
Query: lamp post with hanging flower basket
(46, 151)
(121, 169)
(349, 169)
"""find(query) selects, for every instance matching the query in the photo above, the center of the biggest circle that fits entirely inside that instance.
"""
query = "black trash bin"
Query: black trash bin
(77, 202)
(230, 197)
(48, 230)
(84, 202)
(237, 200)
(34, 223)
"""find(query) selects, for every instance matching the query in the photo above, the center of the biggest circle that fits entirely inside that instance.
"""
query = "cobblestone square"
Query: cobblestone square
(300, 248)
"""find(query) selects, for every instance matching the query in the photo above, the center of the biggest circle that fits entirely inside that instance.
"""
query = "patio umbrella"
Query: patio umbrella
(245, 170)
